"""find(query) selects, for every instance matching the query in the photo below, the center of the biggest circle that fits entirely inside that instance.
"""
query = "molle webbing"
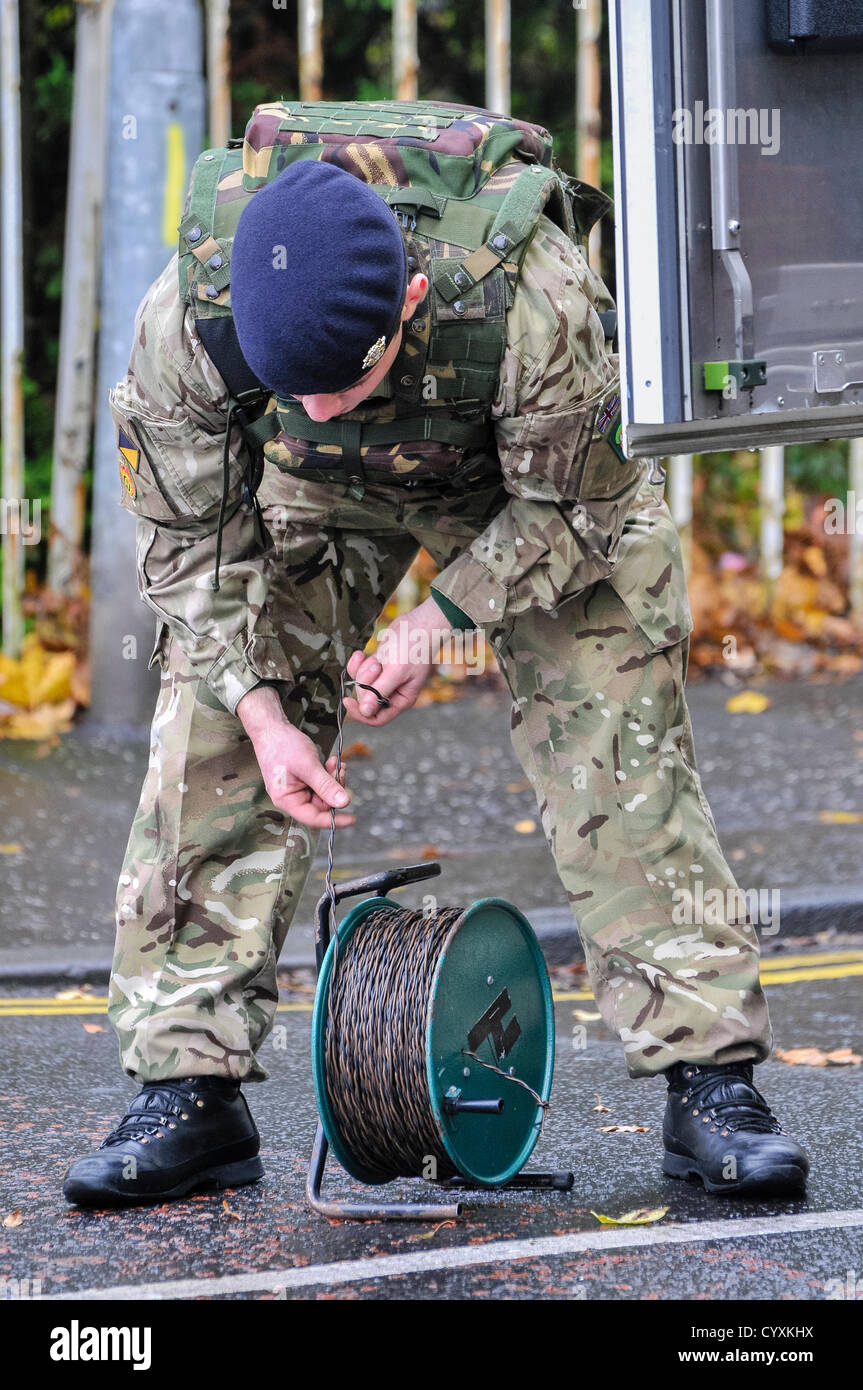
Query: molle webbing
(461, 434)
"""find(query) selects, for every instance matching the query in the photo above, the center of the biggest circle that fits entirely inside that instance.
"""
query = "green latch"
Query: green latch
(746, 374)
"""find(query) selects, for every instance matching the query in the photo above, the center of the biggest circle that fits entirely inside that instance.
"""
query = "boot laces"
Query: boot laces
(162, 1113)
(746, 1110)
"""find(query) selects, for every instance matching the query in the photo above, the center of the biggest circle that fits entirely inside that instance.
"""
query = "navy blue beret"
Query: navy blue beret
(318, 279)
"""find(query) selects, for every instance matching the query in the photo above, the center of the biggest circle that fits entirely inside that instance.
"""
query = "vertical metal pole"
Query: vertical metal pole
(772, 496)
(76, 363)
(156, 109)
(11, 287)
(680, 502)
(853, 511)
(497, 56)
(311, 52)
(218, 71)
(589, 109)
(405, 52)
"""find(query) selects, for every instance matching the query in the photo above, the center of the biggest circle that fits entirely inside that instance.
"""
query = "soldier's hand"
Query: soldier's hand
(298, 783)
(412, 636)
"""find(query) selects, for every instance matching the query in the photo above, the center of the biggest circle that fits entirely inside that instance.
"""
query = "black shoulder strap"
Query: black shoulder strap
(219, 336)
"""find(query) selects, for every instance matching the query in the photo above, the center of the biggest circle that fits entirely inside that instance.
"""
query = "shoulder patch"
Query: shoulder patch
(609, 424)
(128, 461)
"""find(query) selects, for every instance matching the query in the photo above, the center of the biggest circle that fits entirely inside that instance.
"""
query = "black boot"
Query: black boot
(176, 1136)
(720, 1129)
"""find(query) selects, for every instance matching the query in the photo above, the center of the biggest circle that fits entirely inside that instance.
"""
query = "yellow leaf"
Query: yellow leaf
(93, 1028)
(36, 677)
(11, 849)
(642, 1216)
(841, 817)
(624, 1129)
(39, 723)
(747, 702)
(234, 1214)
(844, 1057)
(14, 1218)
(525, 827)
(802, 1056)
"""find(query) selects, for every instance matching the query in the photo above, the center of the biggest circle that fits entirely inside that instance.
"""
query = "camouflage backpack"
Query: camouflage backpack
(468, 188)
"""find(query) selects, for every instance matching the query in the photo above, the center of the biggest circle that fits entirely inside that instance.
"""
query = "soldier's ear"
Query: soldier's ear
(416, 292)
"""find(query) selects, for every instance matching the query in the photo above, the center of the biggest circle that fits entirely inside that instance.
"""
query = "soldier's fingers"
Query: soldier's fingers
(355, 660)
(353, 711)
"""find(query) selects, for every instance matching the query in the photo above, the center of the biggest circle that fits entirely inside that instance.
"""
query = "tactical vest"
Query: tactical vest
(468, 189)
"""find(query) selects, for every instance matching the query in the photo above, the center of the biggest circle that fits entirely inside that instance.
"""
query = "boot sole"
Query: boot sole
(236, 1174)
(782, 1178)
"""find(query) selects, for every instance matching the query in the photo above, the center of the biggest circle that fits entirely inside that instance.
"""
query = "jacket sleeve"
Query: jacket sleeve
(170, 413)
(555, 415)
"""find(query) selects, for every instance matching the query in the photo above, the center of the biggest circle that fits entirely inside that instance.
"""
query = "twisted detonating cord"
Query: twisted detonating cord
(376, 1043)
(383, 703)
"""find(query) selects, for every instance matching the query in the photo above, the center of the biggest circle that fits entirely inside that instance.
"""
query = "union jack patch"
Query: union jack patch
(609, 425)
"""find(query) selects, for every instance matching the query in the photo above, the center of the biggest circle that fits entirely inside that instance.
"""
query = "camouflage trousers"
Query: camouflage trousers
(213, 872)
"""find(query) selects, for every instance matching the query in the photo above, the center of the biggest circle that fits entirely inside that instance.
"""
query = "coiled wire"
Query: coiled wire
(376, 1042)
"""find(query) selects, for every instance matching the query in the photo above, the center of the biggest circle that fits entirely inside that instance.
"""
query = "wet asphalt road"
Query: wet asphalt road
(445, 777)
(62, 1088)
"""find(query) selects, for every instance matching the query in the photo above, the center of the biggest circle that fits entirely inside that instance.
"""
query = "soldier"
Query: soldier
(426, 387)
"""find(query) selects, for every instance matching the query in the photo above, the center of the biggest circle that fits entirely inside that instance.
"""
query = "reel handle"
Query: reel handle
(380, 884)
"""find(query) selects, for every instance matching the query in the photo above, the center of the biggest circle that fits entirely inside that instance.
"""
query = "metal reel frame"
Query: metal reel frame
(380, 884)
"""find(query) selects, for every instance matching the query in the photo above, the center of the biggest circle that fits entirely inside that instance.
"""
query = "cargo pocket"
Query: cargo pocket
(649, 579)
(170, 469)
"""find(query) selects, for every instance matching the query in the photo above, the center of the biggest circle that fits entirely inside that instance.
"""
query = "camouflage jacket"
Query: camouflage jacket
(557, 395)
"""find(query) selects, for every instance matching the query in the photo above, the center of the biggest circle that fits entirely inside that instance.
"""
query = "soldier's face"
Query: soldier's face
(324, 407)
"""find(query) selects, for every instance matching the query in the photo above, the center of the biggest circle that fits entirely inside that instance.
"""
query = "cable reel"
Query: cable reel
(432, 1044)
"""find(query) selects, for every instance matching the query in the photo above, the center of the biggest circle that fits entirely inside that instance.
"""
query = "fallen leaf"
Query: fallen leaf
(525, 827)
(642, 1216)
(815, 561)
(39, 722)
(85, 992)
(427, 1235)
(624, 1129)
(841, 817)
(844, 1057)
(747, 702)
(584, 1017)
(802, 1056)
(14, 1218)
(234, 1214)
(521, 786)
(93, 1028)
(358, 749)
(11, 849)
(599, 1107)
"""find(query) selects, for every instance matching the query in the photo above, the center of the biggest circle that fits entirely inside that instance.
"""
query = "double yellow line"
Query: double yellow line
(776, 970)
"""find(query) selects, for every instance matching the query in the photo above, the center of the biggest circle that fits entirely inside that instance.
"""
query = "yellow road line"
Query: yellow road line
(827, 965)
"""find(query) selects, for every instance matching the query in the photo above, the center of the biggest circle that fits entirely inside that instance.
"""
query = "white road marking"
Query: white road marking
(465, 1256)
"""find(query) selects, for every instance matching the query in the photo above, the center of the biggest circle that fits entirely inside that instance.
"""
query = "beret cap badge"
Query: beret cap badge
(375, 353)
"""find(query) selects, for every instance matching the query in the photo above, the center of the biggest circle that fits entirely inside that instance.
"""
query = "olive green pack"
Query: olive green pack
(468, 188)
